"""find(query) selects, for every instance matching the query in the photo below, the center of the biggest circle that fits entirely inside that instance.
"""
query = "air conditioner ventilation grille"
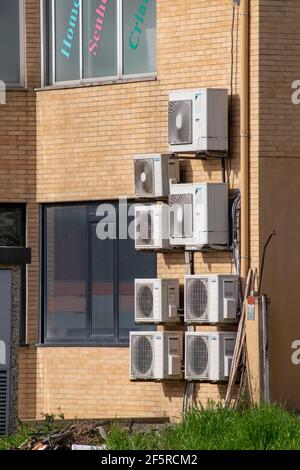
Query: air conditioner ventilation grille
(197, 299)
(144, 179)
(198, 357)
(144, 301)
(142, 356)
(181, 215)
(144, 231)
(180, 122)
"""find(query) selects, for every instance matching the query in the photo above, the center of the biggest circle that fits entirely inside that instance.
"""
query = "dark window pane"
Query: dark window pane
(82, 246)
(139, 36)
(99, 38)
(67, 20)
(67, 261)
(11, 229)
(102, 284)
(132, 265)
(9, 41)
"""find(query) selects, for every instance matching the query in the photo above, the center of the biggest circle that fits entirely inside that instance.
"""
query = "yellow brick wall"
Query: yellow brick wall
(85, 141)
(93, 382)
(18, 185)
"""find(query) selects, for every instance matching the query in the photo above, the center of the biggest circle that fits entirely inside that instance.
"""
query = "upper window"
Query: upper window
(12, 230)
(11, 41)
(87, 40)
(12, 234)
(90, 264)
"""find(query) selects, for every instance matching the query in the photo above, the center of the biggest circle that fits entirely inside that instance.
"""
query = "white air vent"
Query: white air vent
(156, 300)
(155, 355)
(198, 120)
(208, 355)
(153, 174)
(198, 215)
(152, 227)
(211, 298)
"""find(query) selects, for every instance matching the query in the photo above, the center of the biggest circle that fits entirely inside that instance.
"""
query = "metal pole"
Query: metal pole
(266, 372)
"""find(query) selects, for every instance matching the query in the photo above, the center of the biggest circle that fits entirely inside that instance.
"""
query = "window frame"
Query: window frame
(23, 271)
(21, 83)
(82, 81)
(91, 339)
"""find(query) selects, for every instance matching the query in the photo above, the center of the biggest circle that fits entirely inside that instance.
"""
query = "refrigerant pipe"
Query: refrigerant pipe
(244, 136)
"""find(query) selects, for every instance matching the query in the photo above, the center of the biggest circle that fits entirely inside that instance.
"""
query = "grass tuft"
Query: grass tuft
(14, 441)
(218, 428)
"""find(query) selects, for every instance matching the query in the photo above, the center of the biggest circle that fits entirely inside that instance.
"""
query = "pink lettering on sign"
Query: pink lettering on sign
(101, 11)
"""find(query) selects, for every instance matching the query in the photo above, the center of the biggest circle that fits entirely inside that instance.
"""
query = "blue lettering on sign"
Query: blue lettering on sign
(73, 21)
(136, 32)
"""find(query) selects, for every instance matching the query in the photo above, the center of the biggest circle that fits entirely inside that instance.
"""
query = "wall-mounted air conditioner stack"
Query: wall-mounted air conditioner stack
(198, 120)
(152, 227)
(198, 215)
(156, 300)
(208, 355)
(155, 355)
(211, 298)
(153, 174)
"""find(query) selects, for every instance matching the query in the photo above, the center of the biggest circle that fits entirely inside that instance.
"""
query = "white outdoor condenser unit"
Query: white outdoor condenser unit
(155, 355)
(153, 174)
(198, 120)
(211, 298)
(156, 300)
(208, 355)
(152, 227)
(198, 215)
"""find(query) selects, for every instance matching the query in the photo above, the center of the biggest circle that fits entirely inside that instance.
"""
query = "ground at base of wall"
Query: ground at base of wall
(215, 428)
(52, 434)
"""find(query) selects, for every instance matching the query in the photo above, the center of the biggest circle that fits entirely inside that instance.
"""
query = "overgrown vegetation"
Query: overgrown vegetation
(213, 428)
(218, 428)
(13, 442)
(49, 423)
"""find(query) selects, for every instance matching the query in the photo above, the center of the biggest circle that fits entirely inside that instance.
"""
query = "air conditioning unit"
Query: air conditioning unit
(211, 298)
(156, 300)
(198, 215)
(208, 355)
(152, 227)
(153, 174)
(155, 355)
(198, 120)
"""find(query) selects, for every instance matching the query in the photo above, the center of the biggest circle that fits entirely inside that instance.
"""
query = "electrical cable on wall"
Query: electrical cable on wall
(272, 234)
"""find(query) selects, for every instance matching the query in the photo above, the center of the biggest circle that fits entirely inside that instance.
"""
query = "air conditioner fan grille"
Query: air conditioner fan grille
(180, 122)
(145, 301)
(144, 179)
(198, 357)
(197, 299)
(142, 356)
(144, 227)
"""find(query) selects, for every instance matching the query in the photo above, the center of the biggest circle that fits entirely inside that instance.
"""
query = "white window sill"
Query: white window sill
(149, 78)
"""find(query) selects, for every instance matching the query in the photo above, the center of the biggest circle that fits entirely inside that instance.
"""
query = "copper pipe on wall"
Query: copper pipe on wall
(244, 136)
